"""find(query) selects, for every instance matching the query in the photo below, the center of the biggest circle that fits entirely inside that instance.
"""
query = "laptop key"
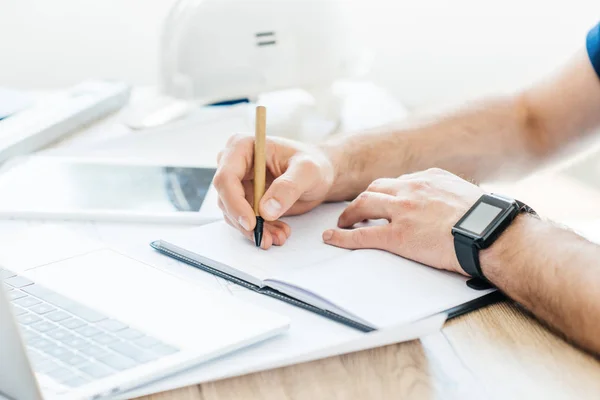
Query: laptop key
(42, 308)
(28, 334)
(47, 366)
(146, 341)
(72, 323)
(65, 303)
(105, 339)
(96, 370)
(16, 294)
(57, 315)
(76, 382)
(61, 374)
(41, 343)
(75, 342)
(88, 331)
(118, 362)
(94, 351)
(28, 318)
(18, 281)
(61, 334)
(59, 352)
(18, 311)
(164, 349)
(129, 334)
(43, 326)
(35, 357)
(111, 325)
(27, 301)
(5, 274)
(133, 352)
(39, 291)
(82, 312)
(74, 360)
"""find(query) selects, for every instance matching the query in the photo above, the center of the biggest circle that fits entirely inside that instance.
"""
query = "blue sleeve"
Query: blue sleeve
(593, 48)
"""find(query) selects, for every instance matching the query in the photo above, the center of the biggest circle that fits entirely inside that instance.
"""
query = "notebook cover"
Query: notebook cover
(453, 312)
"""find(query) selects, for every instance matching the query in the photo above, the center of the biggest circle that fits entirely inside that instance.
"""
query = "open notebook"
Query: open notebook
(366, 289)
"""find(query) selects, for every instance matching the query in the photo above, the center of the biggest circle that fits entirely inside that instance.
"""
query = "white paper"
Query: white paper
(220, 245)
(384, 289)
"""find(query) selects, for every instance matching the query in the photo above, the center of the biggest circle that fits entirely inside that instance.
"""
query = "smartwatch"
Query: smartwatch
(479, 228)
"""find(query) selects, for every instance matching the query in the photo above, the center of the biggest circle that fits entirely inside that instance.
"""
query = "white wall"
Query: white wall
(427, 51)
(51, 43)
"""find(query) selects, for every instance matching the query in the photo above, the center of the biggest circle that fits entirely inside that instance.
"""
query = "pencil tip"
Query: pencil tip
(258, 231)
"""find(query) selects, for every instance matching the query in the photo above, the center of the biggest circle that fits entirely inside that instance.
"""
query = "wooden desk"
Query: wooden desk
(496, 352)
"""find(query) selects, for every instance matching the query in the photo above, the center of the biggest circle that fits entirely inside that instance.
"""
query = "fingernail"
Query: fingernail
(327, 235)
(244, 223)
(272, 208)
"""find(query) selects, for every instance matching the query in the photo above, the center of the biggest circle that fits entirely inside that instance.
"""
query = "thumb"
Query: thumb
(285, 191)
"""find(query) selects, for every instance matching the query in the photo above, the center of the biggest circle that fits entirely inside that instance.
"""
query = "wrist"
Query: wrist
(496, 259)
(336, 156)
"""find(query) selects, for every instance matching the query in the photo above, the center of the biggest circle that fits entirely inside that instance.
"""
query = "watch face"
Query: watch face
(480, 218)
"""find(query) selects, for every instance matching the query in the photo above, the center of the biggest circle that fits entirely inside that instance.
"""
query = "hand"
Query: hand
(421, 209)
(298, 179)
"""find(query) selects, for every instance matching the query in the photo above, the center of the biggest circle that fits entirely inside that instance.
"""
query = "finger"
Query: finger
(277, 234)
(282, 226)
(300, 177)
(280, 232)
(267, 240)
(301, 207)
(248, 186)
(229, 221)
(234, 164)
(368, 205)
(370, 237)
(384, 185)
(236, 225)
(234, 201)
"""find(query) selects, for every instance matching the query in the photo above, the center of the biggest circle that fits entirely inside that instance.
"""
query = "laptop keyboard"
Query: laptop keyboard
(71, 343)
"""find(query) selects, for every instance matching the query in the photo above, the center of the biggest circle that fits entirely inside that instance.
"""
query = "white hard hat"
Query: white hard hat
(223, 50)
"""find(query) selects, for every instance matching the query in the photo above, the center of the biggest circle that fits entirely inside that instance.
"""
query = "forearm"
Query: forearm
(476, 143)
(558, 284)
(473, 143)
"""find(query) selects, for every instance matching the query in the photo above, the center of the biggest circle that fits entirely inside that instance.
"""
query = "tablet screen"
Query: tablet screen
(52, 185)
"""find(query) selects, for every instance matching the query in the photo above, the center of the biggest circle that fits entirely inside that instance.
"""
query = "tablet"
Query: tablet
(70, 188)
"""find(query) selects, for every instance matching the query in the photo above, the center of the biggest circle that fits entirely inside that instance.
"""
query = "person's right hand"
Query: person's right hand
(299, 178)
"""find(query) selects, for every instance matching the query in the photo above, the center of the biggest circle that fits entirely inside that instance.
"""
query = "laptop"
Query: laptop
(121, 324)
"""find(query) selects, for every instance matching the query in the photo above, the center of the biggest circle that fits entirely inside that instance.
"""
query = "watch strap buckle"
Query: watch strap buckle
(479, 284)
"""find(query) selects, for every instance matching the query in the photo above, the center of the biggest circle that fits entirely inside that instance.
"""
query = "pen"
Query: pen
(260, 169)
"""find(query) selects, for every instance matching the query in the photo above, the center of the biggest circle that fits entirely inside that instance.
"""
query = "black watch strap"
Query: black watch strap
(468, 258)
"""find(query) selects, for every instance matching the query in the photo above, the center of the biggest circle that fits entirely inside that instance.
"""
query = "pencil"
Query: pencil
(260, 169)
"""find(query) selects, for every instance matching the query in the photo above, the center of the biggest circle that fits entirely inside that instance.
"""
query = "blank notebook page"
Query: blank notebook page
(221, 243)
(382, 288)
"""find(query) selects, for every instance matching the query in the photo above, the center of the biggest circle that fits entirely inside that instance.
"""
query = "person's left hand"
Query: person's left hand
(421, 209)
